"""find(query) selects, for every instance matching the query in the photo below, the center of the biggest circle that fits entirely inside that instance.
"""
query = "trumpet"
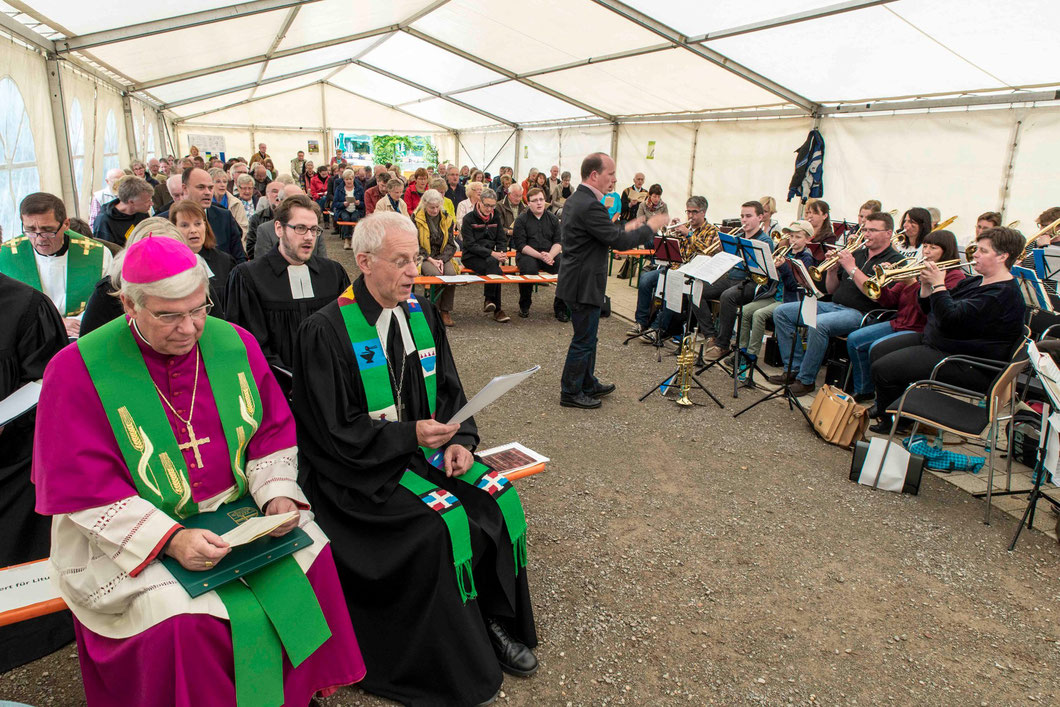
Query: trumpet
(672, 228)
(686, 366)
(904, 270)
(817, 272)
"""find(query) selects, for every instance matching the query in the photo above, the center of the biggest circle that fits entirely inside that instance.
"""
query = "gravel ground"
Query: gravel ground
(679, 556)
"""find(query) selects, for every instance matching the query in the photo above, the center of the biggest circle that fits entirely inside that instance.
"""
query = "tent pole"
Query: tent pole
(518, 154)
(1017, 131)
(614, 142)
(326, 152)
(692, 162)
(62, 136)
(160, 120)
(130, 132)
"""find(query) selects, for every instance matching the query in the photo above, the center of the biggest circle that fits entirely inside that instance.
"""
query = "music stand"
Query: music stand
(758, 259)
(667, 250)
(1047, 265)
(806, 287)
(1033, 289)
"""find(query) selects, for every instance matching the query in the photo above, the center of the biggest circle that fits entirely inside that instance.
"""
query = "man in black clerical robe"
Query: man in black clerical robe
(31, 332)
(272, 295)
(421, 643)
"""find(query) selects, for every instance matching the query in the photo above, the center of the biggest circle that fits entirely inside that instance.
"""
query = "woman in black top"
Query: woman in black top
(916, 223)
(190, 219)
(981, 316)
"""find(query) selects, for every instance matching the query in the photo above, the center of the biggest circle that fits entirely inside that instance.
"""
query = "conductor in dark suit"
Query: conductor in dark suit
(588, 233)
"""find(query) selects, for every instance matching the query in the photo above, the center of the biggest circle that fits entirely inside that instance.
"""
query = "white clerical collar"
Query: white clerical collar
(382, 326)
(301, 284)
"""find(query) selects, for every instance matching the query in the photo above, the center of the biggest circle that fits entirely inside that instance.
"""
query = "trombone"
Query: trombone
(896, 239)
(903, 270)
(970, 250)
(715, 247)
(817, 272)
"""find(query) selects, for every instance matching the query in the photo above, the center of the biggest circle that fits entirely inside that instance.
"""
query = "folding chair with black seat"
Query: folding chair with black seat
(964, 412)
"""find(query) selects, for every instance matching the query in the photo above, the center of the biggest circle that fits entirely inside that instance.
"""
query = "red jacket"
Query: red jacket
(903, 297)
(317, 186)
(371, 198)
(412, 197)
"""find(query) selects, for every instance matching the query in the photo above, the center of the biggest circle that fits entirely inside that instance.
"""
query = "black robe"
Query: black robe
(259, 300)
(421, 644)
(31, 332)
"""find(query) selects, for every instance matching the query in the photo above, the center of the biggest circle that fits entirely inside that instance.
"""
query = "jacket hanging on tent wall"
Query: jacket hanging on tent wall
(807, 181)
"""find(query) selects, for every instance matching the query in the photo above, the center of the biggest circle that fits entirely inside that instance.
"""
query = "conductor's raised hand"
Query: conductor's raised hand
(658, 221)
(197, 549)
(457, 460)
(635, 223)
(433, 434)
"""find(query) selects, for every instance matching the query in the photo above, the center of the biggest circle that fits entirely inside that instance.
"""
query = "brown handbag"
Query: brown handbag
(836, 418)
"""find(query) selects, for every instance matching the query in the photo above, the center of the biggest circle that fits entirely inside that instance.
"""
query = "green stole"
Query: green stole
(272, 607)
(84, 267)
(379, 393)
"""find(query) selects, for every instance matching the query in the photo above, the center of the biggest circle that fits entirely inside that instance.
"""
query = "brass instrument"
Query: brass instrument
(970, 250)
(904, 270)
(672, 228)
(686, 368)
(715, 247)
(817, 272)
(943, 224)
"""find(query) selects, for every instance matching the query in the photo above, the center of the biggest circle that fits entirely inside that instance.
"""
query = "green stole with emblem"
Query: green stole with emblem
(271, 607)
(84, 267)
(379, 393)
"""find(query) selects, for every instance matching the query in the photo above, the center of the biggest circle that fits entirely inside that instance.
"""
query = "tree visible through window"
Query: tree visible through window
(18, 157)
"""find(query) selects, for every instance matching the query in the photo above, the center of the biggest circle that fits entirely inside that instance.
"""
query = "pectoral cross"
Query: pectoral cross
(193, 444)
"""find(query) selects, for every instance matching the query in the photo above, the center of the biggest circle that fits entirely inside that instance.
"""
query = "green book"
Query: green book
(242, 560)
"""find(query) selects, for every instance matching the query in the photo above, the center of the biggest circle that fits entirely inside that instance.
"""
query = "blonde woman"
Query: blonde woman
(434, 226)
(769, 205)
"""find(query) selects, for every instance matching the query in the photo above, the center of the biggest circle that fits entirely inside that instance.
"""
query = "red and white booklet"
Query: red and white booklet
(510, 458)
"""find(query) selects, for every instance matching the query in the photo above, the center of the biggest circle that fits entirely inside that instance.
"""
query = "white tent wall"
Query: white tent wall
(953, 161)
(540, 148)
(1033, 187)
(283, 146)
(238, 140)
(738, 161)
(26, 70)
(575, 144)
(80, 94)
(670, 164)
(487, 151)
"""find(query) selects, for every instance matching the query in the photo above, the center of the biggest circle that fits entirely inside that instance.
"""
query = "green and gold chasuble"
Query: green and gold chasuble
(375, 377)
(271, 607)
(84, 267)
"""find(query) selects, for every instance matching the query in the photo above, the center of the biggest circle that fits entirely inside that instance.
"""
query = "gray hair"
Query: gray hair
(565, 175)
(395, 182)
(699, 202)
(475, 186)
(174, 287)
(515, 187)
(488, 193)
(285, 179)
(136, 162)
(372, 230)
(348, 174)
(132, 187)
(152, 226)
(217, 172)
(244, 179)
(431, 197)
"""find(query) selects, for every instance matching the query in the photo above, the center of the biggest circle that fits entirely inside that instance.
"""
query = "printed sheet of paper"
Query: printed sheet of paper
(21, 401)
(892, 476)
(250, 530)
(675, 289)
(490, 392)
(809, 311)
(511, 457)
(458, 279)
(533, 277)
(710, 268)
(496, 277)
(25, 585)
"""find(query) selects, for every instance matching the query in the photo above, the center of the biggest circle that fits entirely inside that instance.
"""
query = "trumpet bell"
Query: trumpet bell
(872, 289)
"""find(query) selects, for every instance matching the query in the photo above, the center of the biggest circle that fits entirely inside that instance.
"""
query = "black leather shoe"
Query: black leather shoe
(601, 390)
(524, 313)
(490, 700)
(581, 400)
(864, 397)
(563, 317)
(783, 377)
(515, 658)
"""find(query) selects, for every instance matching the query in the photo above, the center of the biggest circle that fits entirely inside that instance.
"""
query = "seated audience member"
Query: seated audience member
(263, 214)
(751, 214)
(653, 204)
(981, 316)
(536, 242)
(393, 201)
(531, 177)
(362, 438)
(485, 249)
(190, 220)
(236, 170)
(244, 191)
(746, 290)
(141, 637)
(760, 312)
(225, 200)
(474, 193)
(435, 228)
(769, 209)
(696, 237)
(273, 172)
(438, 184)
(454, 190)
(50, 258)
(261, 177)
(375, 190)
(120, 216)
(318, 189)
(986, 221)
(632, 196)
(349, 197)
(272, 295)
(139, 169)
(817, 212)
(938, 246)
(155, 177)
(415, 190)
(541, 182)
(840, 316)
(509, 208)
(198, 186)
(160, 197)
(916, 223)
(105, 195)
(553, 180)
(560, 193)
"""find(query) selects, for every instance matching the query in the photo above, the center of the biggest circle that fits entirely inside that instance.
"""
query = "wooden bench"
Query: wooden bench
(638, 265)
(433, 284)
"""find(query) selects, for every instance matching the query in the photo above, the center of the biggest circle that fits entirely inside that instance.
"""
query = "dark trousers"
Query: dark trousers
(578, 371)
(900, 360)
(707, 325)
(344, 215)
(731, 300)
(485, 266)
(529, 265)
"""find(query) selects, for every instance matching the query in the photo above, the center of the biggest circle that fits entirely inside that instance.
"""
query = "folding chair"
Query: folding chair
(940, 405)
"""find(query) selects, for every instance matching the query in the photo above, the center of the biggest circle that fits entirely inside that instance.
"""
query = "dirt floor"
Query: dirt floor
(679, 556)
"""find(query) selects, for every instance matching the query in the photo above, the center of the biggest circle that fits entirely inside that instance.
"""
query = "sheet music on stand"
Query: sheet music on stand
(1047, 266)
(1049, 375)
(709, 268)
(758, 257)
(1033, 290)
(802, 276)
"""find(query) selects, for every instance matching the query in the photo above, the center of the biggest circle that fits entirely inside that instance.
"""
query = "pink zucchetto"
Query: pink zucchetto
(155, 258)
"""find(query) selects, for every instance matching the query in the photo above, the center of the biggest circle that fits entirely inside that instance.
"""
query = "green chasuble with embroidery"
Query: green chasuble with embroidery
(84, 267)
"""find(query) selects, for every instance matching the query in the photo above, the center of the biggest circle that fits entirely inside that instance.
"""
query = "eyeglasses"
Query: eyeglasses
(402, 263)
(301, 229)
(875, 230)
(173, 318)
(43, 234)
(693, 211)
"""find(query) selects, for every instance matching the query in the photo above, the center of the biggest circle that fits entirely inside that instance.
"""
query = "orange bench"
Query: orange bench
(638, 265)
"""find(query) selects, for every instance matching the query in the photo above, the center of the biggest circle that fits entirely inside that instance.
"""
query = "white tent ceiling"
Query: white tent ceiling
(464, 64)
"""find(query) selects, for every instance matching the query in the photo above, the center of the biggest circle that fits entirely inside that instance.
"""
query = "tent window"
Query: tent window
(110, 146)
(18, 157)
(150, 142)
(76, 122)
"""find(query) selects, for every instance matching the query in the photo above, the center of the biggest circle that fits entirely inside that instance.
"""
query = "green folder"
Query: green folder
(242, 560)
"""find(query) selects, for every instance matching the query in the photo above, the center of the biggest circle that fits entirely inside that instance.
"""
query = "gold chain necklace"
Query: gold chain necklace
(193, 442)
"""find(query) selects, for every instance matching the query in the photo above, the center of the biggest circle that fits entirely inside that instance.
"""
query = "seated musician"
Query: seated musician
(867, 209)
(760, 312)
(982, 316)
(986, 221)
(769, 224)
(916, 223)
(696, 237)
(840, 316)
(901, 295)
(1046, 218)
(818, 214)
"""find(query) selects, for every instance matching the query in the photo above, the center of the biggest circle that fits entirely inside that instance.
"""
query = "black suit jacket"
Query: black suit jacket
(588, 233)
